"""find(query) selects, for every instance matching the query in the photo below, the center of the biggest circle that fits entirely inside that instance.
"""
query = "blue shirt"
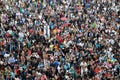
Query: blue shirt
(3, 52)
(51, 25)
(56, 63)
(11, 60)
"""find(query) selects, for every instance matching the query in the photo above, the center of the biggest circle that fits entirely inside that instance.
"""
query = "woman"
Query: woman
(43, 77)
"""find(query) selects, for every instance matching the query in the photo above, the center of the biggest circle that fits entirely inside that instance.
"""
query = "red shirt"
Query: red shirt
(59, 39)
(97, 70)
(78, 70)
(108, 75)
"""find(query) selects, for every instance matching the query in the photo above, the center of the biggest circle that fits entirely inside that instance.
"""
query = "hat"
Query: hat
(31, 31)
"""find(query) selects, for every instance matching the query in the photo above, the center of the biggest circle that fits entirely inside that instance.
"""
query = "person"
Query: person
(63, 39)
(84, 69)
(43, 77)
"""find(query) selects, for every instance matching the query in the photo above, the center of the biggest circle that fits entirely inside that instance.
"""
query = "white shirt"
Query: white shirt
(111, 41)
(21, 34)
(83, 64)
(58, 69)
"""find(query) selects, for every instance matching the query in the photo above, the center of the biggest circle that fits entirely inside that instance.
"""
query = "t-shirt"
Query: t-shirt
(83, 64)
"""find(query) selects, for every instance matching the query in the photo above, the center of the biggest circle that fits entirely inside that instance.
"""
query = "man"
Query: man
(84, 69)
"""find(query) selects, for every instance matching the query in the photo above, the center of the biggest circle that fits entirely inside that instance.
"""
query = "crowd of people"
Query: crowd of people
(60, 40)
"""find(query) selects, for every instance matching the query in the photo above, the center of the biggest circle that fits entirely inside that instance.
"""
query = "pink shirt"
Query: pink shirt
(43, 77)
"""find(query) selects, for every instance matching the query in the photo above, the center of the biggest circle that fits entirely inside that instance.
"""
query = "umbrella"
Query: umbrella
(64, 18)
